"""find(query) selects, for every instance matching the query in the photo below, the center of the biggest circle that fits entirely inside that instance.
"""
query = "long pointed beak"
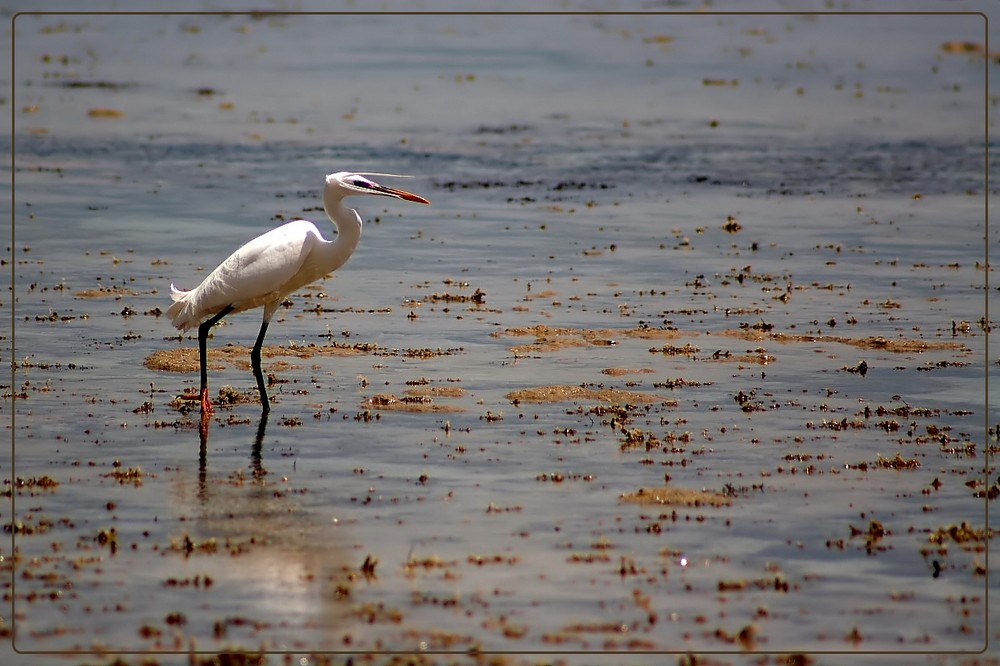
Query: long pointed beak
(403, 194)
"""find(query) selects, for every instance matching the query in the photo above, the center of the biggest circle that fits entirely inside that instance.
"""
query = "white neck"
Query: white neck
(348, 224)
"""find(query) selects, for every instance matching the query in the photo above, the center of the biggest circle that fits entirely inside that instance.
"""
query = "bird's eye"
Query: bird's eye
(362, 183)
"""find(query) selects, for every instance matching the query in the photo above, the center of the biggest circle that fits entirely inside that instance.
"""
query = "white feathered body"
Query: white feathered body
(266, 270)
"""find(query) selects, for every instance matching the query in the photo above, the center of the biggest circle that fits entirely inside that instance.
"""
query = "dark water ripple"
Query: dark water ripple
(774, 168)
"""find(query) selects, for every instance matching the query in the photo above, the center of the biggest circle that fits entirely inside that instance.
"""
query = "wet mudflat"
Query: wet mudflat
(688, 354)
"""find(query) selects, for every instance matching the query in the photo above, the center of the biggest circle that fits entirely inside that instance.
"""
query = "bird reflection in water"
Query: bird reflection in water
(256, 451)
(267, 556)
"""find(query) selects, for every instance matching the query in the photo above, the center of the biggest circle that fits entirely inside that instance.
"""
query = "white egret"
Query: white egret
(270, 267)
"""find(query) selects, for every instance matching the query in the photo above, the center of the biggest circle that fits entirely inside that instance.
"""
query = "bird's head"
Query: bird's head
(346, 183)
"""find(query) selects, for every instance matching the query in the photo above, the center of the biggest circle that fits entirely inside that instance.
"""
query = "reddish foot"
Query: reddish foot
(206, 402)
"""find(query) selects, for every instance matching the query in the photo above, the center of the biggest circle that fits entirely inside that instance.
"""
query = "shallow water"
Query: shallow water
(582, 170)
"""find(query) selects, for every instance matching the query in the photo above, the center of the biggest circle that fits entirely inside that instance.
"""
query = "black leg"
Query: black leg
(203, 353)
(257, 373)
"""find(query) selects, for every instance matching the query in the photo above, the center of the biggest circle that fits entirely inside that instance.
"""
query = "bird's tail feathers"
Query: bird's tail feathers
(180, 311)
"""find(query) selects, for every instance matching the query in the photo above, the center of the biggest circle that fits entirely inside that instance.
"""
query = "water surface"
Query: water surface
(790, 196)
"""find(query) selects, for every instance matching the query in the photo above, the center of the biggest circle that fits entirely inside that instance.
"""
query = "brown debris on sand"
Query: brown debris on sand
(389, 402)
(876, 342)
(105, 292)
(185, 359)
(560, 393)
(619, 372)
(550, 338)
(436, 391)
(676, 496)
